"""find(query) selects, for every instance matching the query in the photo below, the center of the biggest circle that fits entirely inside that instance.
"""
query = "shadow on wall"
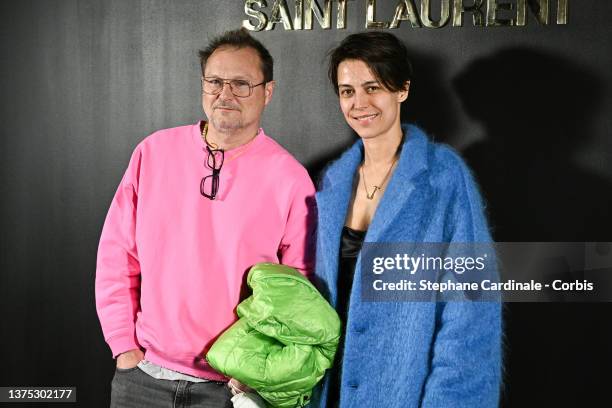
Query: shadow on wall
(537, 113)
(428, 104)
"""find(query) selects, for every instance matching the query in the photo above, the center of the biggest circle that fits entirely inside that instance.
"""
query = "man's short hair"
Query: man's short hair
(240, 39)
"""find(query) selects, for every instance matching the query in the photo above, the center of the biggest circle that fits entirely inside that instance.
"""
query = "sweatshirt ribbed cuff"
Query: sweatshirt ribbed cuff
(122, 343)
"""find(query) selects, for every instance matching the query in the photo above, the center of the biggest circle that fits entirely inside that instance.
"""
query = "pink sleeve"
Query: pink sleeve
(297, 247)
(118, 269)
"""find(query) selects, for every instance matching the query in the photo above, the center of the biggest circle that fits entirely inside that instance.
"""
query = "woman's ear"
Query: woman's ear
(403, 94)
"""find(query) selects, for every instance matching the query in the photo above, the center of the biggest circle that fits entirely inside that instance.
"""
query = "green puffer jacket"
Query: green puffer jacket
(285, 339)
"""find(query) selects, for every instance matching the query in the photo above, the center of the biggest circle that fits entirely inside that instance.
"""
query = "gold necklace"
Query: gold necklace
(215, 146)
(382, 183)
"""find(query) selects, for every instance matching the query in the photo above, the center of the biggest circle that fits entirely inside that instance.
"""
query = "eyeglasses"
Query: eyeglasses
(209, 186)
(239, 87)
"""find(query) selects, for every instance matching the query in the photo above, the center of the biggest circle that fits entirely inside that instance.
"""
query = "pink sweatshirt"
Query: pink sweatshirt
(171, 262)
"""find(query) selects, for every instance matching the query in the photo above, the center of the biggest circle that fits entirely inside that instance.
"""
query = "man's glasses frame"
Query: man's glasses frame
(214, 161)
(240, 88)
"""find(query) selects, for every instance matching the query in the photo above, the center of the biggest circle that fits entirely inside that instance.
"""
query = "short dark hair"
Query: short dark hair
(240, 39)
(385, 54)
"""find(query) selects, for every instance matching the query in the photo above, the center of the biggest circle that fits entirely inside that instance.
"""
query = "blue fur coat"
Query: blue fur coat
(411, 354)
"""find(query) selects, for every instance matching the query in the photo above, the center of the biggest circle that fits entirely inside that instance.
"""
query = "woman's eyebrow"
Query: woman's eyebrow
(370, 83)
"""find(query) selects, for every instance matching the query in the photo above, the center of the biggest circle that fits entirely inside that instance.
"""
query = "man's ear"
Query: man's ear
(269, 90)
(403, 94)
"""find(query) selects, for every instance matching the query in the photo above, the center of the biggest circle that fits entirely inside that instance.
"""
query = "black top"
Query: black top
(350, 245)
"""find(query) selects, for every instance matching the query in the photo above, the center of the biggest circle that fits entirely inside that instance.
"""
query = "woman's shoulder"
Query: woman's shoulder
(447, 160)
(342, 166)
(443, 162)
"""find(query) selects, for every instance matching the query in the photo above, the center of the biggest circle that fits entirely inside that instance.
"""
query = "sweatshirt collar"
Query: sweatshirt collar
(236, 152)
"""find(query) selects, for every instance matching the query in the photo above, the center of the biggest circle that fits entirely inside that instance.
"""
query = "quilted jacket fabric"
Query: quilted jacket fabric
(285, 339)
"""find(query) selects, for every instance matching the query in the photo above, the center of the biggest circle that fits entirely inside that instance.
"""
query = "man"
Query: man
(196, 208)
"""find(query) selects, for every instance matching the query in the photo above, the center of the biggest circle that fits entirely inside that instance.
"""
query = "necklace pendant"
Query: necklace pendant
(371, 196)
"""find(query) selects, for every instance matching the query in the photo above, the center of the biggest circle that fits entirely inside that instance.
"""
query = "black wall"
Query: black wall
(83, 81)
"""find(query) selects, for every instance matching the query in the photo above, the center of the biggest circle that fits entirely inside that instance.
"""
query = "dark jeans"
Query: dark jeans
(133, 388)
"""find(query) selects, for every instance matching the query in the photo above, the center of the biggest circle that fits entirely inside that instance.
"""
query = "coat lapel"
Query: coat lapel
(332, 205)
(336, 192)
(413, 160)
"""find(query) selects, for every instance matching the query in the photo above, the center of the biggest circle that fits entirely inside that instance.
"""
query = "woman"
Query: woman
(395, 185)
